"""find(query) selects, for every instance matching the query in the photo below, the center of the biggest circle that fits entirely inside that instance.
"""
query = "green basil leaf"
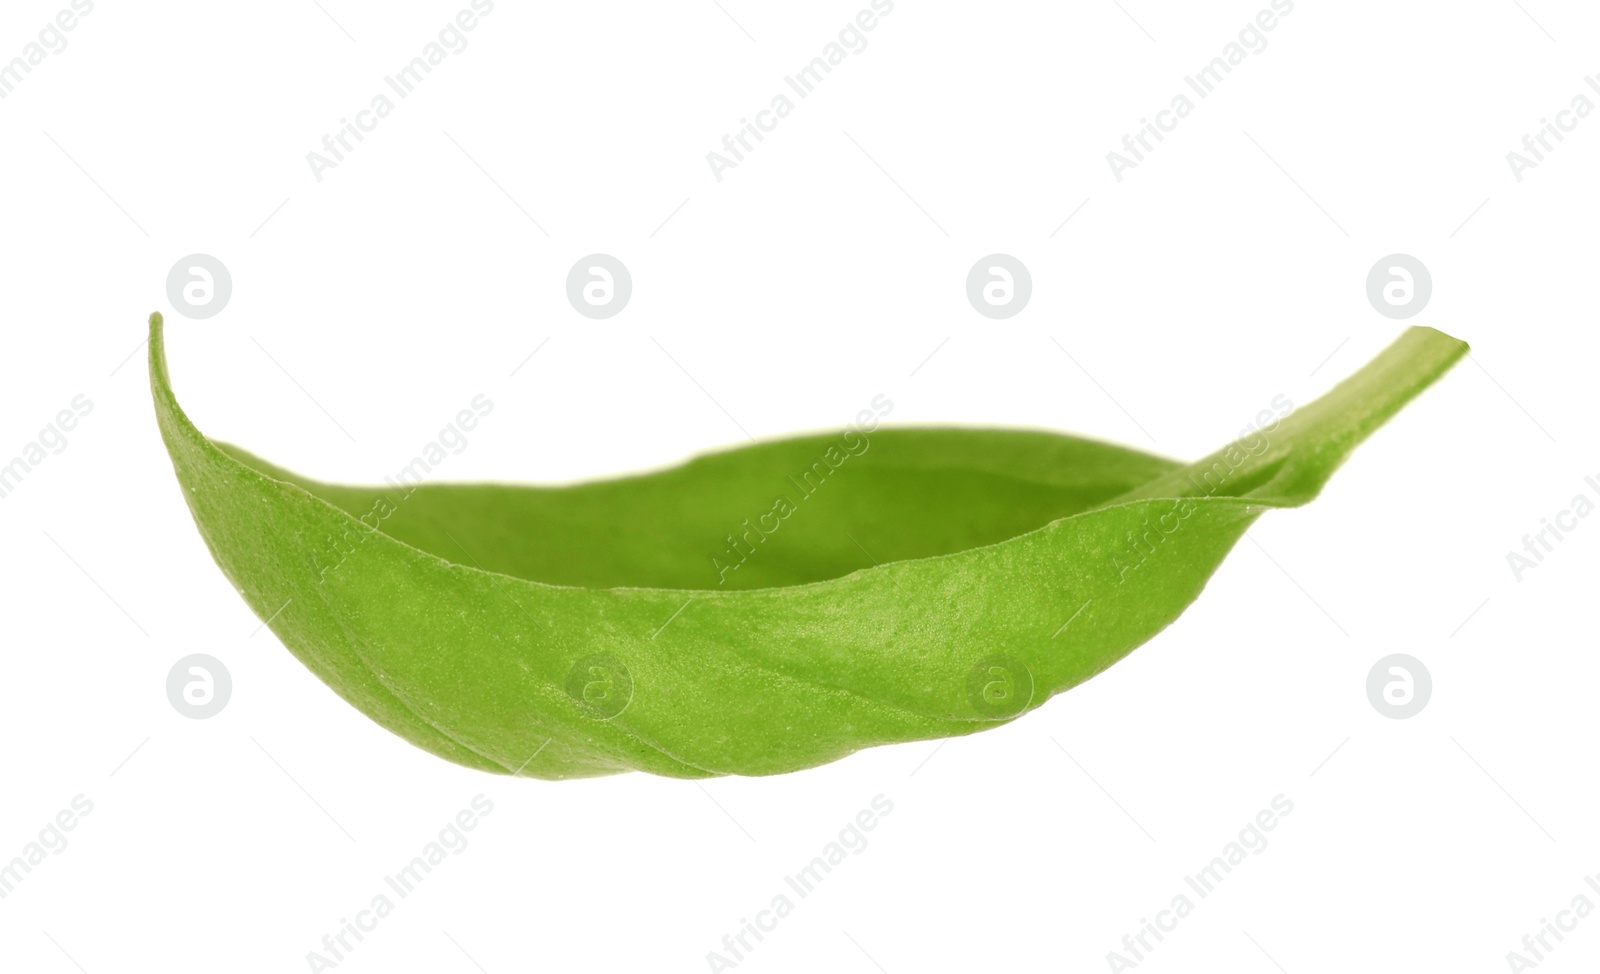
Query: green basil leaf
(924, 582)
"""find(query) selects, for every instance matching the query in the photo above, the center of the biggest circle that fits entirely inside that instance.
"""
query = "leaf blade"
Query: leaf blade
(475, 664)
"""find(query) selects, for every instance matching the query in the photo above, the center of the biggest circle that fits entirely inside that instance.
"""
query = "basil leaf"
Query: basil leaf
(949, 580)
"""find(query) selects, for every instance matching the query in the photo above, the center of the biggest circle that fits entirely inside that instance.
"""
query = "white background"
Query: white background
(1226, 269)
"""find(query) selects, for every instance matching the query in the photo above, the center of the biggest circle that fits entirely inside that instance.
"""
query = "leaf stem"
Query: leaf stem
(1287, 465)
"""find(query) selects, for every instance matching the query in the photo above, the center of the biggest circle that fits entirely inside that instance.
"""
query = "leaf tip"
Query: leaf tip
(157, 350)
